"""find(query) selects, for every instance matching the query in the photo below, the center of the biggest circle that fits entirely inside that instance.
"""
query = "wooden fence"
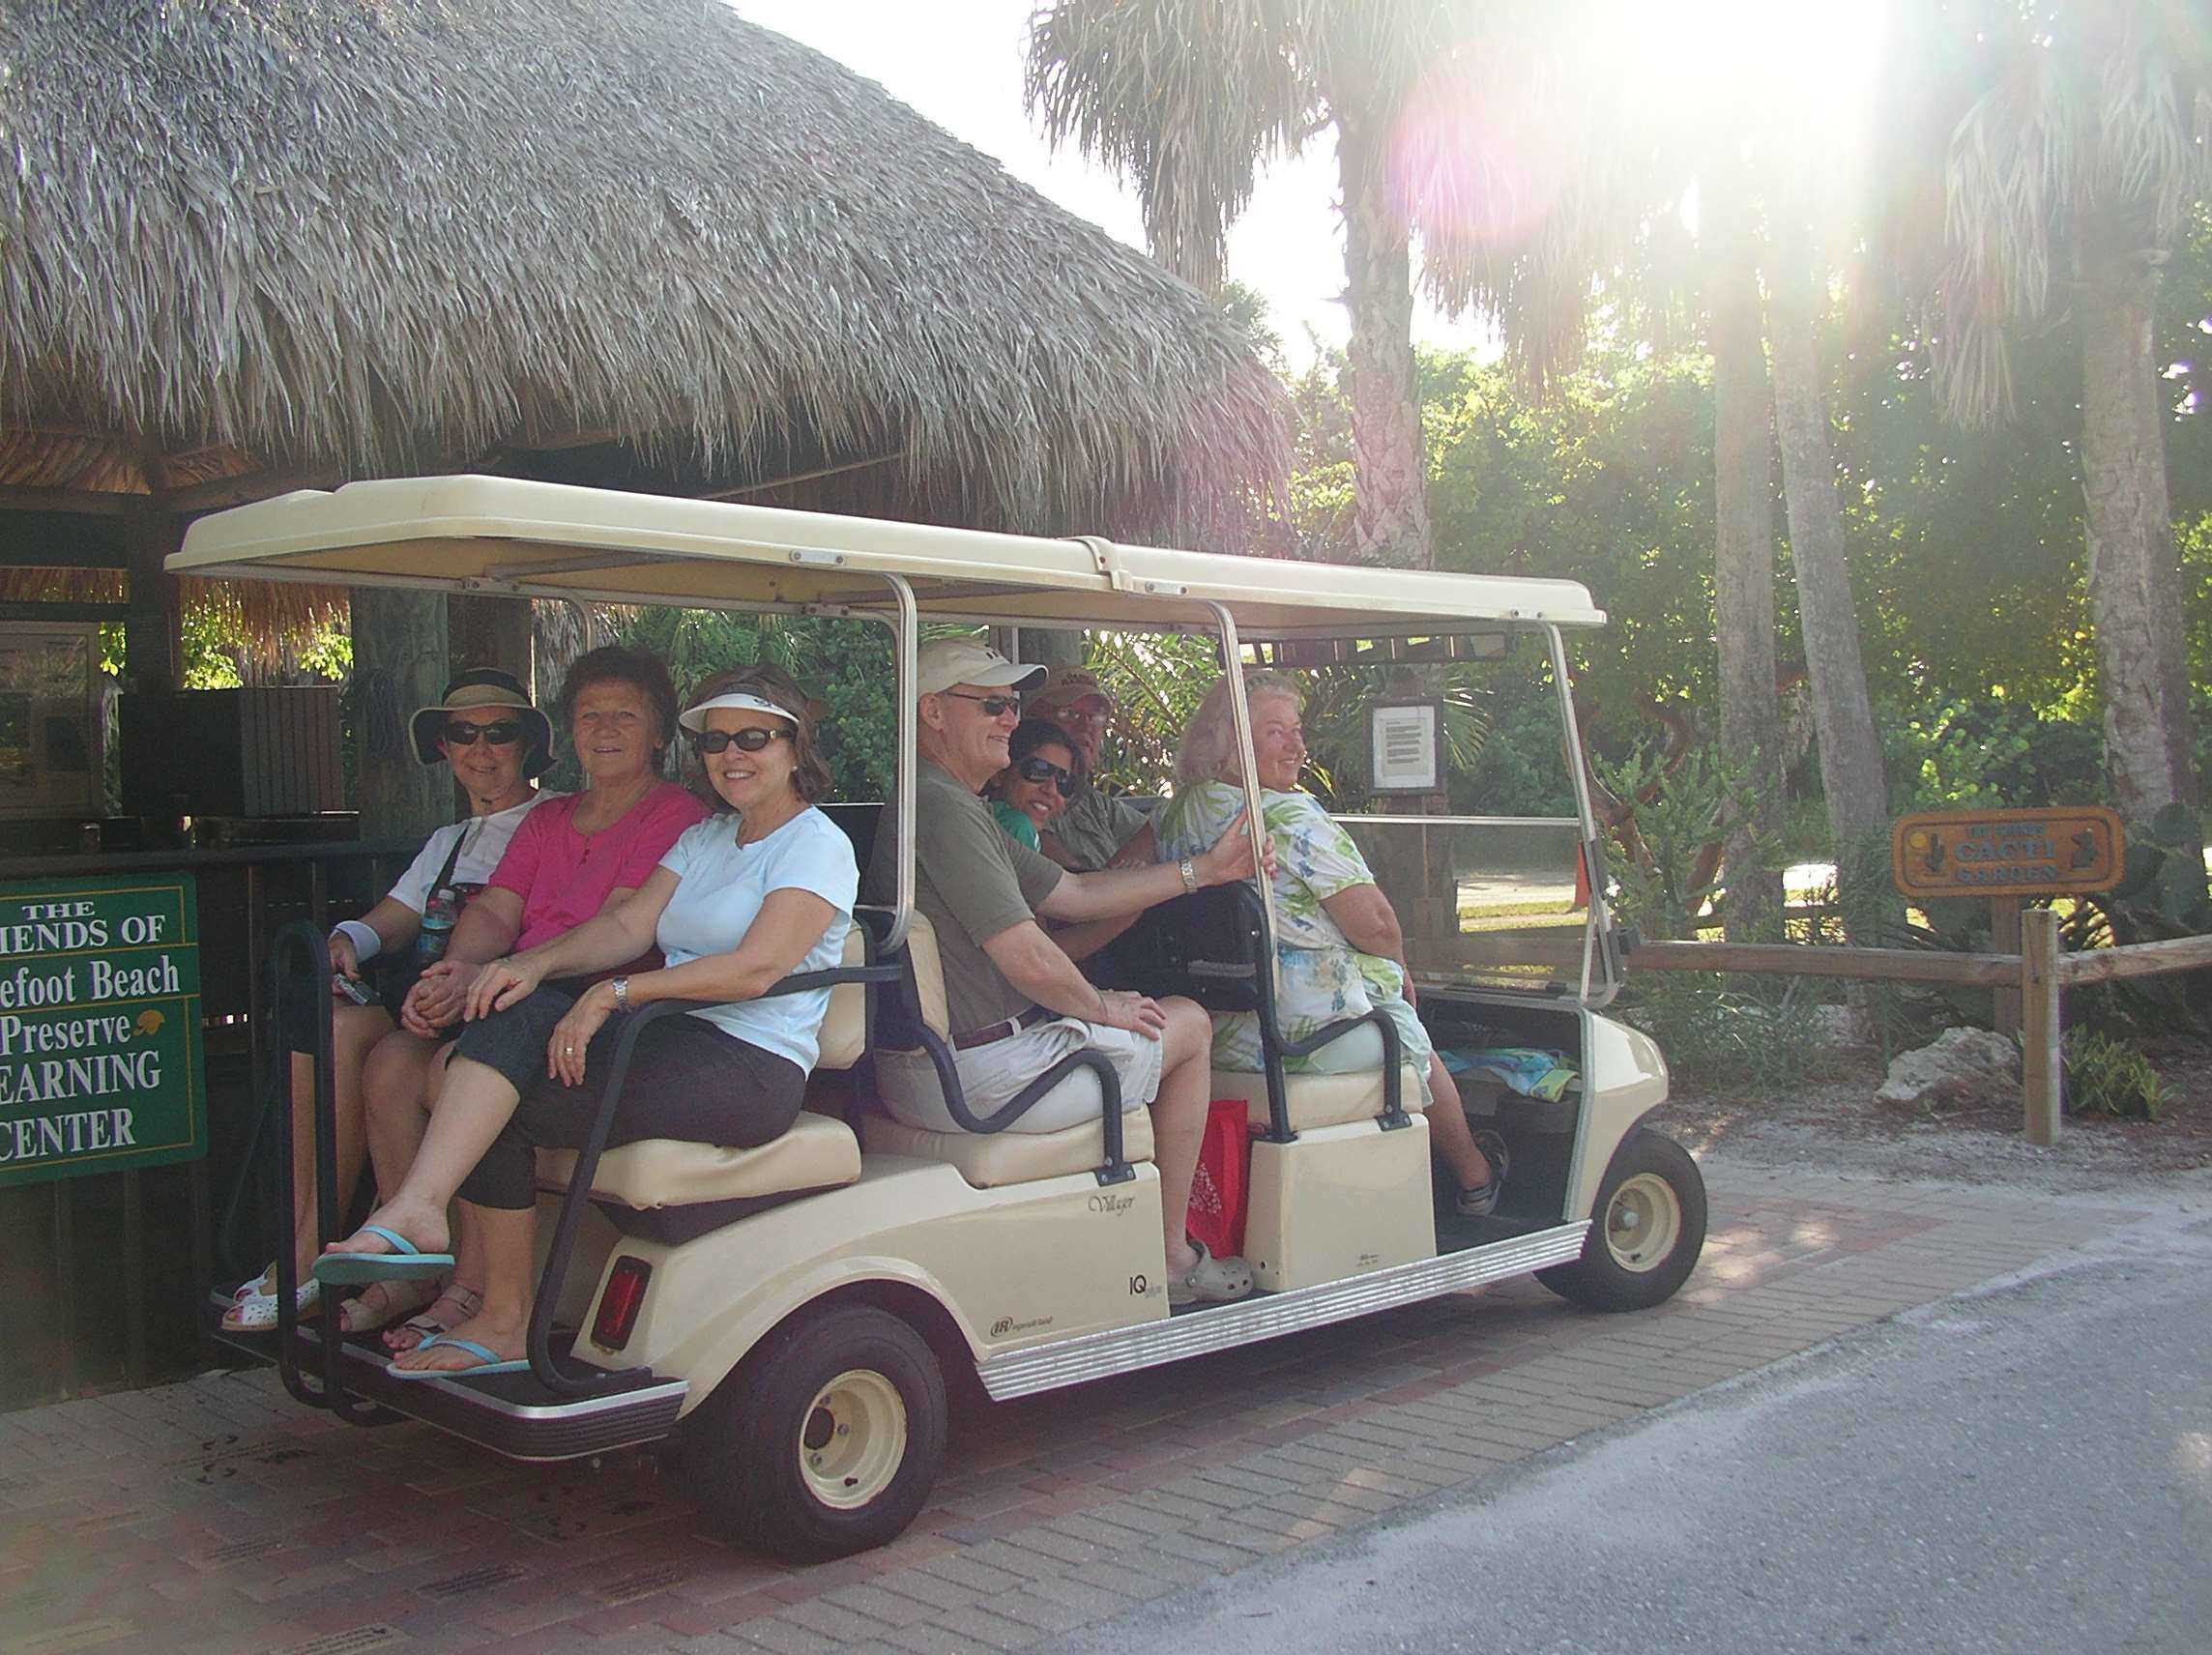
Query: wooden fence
(2040, 974)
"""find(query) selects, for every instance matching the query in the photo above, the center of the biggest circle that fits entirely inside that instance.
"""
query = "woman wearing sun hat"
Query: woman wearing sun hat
(497, 744)
(740, 901)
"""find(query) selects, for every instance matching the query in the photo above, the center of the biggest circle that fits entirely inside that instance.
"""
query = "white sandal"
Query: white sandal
(263, 1286)
(257, 1312)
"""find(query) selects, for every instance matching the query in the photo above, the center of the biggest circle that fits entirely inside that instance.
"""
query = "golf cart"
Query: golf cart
(789, 1313)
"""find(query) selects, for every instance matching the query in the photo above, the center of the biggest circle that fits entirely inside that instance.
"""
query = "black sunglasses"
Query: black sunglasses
(748, 741)
(505, 733)
(1044, 770)
(992, 706)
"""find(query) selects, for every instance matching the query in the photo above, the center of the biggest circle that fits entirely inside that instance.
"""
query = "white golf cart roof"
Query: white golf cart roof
(542, 540)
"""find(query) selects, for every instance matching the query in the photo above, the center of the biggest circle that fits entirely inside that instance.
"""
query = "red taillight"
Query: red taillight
(619, 1301)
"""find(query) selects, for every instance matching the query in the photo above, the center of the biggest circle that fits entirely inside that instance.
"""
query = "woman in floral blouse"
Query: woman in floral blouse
(1338, 947)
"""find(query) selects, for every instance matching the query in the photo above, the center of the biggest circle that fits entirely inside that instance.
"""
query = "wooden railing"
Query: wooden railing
(2040, 974)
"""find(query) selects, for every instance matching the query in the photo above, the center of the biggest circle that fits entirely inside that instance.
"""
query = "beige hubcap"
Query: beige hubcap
(1642, 1222)
(854, 1438)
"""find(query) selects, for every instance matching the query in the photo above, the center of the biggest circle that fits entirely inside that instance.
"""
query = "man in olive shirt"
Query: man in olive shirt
(1016, 1002)
(1095, 828)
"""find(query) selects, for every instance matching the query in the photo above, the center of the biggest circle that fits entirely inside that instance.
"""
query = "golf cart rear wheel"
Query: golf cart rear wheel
(826, 1440)
(1646, 1228)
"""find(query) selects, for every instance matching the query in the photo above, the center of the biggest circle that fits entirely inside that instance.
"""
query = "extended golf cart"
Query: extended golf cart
(788, 1313)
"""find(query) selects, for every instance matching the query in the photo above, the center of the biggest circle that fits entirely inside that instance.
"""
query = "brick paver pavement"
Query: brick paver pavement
(214, 1515)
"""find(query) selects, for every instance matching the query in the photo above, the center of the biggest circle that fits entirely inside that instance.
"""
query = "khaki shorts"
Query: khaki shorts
(990, 1075)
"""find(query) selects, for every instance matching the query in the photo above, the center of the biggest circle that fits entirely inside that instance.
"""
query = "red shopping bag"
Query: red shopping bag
(1218, 1191)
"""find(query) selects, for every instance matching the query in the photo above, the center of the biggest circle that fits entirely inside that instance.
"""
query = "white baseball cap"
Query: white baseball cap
(945, 662)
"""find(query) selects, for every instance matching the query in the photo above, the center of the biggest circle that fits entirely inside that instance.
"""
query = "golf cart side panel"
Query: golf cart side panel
(1625, 1079)
(1011, 1265)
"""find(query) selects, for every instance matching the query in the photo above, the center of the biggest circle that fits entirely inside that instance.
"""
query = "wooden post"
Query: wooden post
(490, 632)
(153, 630)
(2004, 938)
(399, 663)
(2041, 1068)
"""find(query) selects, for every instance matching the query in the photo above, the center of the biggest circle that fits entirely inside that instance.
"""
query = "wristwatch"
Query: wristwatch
(620, 986)
(1189, 871)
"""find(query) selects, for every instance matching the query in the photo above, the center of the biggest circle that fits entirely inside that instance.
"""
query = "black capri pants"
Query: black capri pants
(688, 1079)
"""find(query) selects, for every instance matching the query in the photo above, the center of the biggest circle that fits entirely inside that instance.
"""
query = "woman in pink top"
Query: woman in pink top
(571, 859)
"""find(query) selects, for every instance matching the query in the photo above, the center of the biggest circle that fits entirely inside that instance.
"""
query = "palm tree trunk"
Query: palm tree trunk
(2135, 572)
(1389, 468)
(1843, 716)
(1743, 582)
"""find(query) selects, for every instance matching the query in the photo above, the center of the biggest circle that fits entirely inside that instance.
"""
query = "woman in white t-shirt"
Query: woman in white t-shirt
(734, 906)
(496, 743)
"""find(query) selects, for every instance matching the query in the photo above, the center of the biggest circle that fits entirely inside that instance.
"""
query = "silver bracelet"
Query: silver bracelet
(1189, 871)
(621, 987)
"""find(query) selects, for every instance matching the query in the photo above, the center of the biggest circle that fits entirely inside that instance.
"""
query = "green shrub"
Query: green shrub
(1756, 1032)
(2104, 1076)
(1678, 813)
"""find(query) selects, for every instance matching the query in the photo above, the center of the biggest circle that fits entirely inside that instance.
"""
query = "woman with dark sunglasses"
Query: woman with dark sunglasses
(1044, 769)
(737, 903)
(566, 863)
(496, 743)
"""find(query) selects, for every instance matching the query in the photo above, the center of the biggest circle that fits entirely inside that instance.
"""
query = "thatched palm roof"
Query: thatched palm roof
(361, 237)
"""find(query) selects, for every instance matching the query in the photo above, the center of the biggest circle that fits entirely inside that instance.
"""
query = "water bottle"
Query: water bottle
(438, 916)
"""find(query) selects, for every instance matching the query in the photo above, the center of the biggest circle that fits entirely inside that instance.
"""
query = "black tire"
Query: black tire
(811, 1408)
(1646, 1231)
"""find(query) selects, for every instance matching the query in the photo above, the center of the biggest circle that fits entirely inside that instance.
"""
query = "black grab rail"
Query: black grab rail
(900, 1027)
(553, 1277)
(1212, 947)
(302, 937)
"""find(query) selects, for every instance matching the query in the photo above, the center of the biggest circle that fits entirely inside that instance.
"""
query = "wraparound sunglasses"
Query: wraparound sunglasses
(1044, 770)
(505, 733)
(747, 740)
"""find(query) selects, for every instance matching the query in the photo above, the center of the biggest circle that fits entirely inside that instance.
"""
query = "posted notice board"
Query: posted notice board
(100, 1027)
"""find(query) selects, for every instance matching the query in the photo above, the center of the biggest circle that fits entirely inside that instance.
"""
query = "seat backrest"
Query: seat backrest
(926, 973)
(844, 1032)
(857, 822)
(1205, 946)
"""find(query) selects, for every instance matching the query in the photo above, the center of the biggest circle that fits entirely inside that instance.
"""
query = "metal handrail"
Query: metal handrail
(302, 935)
(553, 1277)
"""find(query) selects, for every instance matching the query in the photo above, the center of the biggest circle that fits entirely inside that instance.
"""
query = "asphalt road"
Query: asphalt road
(2026, 1468)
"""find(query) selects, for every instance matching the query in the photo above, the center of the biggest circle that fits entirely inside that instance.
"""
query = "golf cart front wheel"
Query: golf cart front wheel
(1646, 1228)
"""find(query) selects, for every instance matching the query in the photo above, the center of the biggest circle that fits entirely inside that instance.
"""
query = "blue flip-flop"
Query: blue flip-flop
(492, 1362)
(410, 1264)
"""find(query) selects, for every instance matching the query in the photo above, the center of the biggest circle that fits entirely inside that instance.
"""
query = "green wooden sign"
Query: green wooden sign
(100, 1027)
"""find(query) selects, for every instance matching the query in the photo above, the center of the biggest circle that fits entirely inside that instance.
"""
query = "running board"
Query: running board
(1196, 1333)
(509, 1414)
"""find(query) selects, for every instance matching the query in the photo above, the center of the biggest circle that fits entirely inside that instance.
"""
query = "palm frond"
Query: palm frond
(1184, 101)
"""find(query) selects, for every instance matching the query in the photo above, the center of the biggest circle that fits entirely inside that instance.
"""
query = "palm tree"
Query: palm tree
(2080, 142)
(1851, 780)
(1634, 150)
(1188, 98)
(1607, 226)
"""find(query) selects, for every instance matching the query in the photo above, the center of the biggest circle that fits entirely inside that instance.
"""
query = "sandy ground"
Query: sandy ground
(1833, 1122)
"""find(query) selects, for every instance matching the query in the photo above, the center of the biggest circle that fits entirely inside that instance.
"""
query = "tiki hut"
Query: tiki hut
(249, 245)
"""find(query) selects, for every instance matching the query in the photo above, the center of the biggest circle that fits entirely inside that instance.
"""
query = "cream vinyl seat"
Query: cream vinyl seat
(816, 1153)
(986, 1159)
(1315, 1100)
